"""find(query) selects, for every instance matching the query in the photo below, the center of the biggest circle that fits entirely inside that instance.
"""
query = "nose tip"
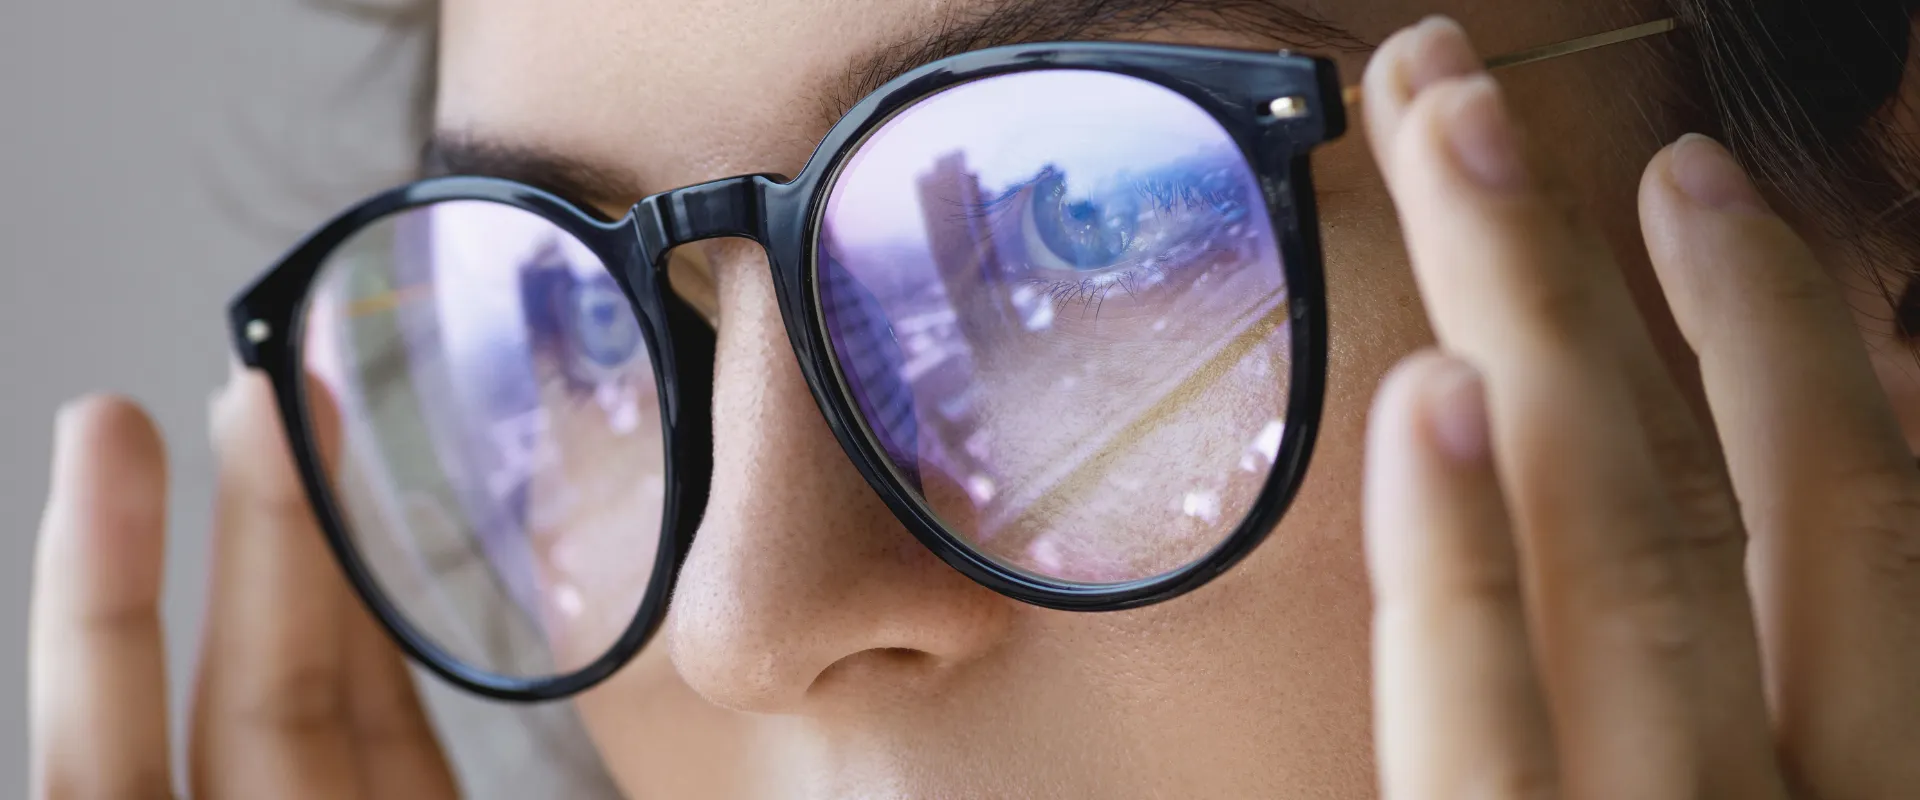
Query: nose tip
(785, 647)
(801, 588)
(798, 597)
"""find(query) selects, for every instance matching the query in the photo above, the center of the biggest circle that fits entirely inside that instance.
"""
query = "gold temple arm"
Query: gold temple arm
(1351, 95)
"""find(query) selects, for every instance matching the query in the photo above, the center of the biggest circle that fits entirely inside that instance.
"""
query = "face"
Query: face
(811, 636)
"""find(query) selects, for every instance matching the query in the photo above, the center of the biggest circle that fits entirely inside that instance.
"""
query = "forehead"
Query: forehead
(617, 80)
(663, 93)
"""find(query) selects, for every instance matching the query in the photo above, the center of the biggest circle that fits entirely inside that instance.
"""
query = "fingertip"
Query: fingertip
(108, 449)
(1429, 437)
(1408, 63)
(97, 666)
(1459, 142)
(1714, 240)
(113, 416)
(1455, 412)
(1697, 173)
(1707, 173)
(251, 442)
(1418, 55)
(102, 539)
(1394, 429)
(237, 403)
(1658, 192)
(1400, 381)
(1419, 382)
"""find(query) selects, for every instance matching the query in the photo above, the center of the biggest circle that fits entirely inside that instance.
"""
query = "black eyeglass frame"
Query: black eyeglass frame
(1277, 108)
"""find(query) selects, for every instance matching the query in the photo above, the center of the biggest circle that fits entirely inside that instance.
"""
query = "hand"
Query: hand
(299, 693)
(1566, 604)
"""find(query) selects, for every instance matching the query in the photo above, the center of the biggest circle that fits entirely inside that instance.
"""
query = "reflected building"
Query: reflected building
(907, 344)
(955, 209)
(952, 325)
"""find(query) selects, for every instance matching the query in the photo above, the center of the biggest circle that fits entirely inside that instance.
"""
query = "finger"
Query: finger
(1434, 52)
(1405, 65)
(1828, 489)
(270, 714)
(1458, 711)
(1636, 625)
(97, 662)
(398, 752)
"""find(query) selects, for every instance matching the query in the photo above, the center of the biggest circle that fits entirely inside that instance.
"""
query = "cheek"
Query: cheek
(660, 739)
(1375, 314)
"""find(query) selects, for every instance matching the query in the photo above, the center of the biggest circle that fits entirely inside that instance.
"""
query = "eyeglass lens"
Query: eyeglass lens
(500, 467)
(1057, 300)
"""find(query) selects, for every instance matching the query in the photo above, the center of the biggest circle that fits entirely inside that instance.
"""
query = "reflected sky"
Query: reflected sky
(1077, 106)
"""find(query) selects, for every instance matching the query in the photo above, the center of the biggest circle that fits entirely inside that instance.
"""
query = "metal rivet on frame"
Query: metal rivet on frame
(1288, 108)
(258, 331)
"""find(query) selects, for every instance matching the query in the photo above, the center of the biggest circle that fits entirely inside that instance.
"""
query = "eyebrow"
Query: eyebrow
(580, 181)
(1287, 23)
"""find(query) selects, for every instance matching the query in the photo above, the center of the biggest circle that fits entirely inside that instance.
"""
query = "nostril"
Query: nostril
(905, 656)
(877, 666)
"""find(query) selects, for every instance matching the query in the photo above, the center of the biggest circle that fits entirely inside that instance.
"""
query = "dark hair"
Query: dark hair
(1806, 92)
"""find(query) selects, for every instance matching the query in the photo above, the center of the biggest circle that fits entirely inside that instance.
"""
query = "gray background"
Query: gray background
(153, 157)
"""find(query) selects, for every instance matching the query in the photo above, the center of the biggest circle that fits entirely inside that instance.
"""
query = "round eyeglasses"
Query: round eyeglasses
(1061, 305)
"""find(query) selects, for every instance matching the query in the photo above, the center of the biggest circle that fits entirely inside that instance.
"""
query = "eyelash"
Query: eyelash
(1163, 193)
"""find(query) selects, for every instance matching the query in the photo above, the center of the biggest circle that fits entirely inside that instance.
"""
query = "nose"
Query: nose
(801, 588)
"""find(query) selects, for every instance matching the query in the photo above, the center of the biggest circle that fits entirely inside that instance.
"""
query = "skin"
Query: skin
(1558, 602)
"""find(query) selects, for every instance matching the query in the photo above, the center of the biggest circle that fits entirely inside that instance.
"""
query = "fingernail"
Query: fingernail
(1484, 138)
(1457, 413)
(1704, 171)
(1440, 51)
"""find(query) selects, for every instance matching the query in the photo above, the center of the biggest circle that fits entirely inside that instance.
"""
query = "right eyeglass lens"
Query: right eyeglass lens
(500, 467)
(1057, 301)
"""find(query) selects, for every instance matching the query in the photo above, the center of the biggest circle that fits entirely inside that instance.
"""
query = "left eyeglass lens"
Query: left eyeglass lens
(500, 471)
(1058, 303)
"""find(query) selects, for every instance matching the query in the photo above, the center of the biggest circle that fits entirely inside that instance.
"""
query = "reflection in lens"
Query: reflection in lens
(1057, 301)
(501, 472)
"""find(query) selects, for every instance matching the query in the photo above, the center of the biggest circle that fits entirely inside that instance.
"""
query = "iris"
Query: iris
(602, 326)
(1086, 233)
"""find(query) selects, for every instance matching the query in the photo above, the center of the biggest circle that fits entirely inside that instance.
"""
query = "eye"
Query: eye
(601, 325)
(1083, 232)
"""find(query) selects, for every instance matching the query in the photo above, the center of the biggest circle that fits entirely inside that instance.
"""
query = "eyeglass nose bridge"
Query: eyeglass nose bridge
(728, 207)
